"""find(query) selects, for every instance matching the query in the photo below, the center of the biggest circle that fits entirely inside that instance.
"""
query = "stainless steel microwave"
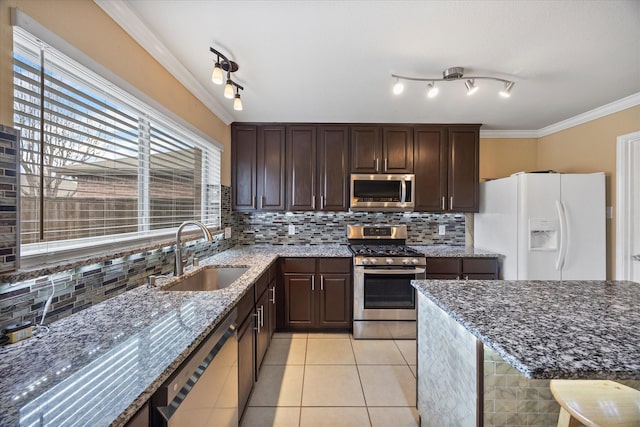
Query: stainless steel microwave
(382, 192)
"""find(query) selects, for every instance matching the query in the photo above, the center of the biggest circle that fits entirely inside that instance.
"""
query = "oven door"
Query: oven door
(385, 293)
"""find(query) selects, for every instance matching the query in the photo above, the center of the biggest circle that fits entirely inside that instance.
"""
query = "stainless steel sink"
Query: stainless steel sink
(209, 279)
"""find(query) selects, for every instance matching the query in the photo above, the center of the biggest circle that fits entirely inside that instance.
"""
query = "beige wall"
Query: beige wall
(591, 147)
(500, 157)
(84, 25)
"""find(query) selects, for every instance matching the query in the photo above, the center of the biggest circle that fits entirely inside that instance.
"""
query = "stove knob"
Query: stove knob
(364, 261)
(389, 261)
(373, 260)
(405, 261)
(414, 261)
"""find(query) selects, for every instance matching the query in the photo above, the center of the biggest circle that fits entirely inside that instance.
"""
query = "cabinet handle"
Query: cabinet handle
(262, 199)
(443, 206)
(321, 202)
(466, 277)
(377, 164)
(262, 316)
(458, 277)
(386, 164)
(451, 203)
(313, 202)
(313, 283)
(255, 202)
(322, 283)
(257, 316)
(273, 294)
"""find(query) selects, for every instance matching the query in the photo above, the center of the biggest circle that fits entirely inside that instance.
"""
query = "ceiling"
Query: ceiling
(331, 61)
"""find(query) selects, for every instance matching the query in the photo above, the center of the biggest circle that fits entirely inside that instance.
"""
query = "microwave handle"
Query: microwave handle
(403, 191)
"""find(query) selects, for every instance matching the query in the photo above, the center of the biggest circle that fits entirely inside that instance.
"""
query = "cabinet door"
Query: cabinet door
(271, 167)
(464, 183)
(430, 167)
(262, 329)
(244, 142)
(397, 147)
(333, 168)
(299, 310)
(245, 362)
(301, 168)
(366, 149)
(335, 301)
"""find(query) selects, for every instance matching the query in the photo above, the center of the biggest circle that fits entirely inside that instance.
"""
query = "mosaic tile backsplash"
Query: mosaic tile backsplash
(316, 228)
(9, 255)
(85, 285)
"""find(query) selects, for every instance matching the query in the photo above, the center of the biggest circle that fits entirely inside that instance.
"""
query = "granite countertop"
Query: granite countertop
(113, 356)
(550, 329)
(454, 251)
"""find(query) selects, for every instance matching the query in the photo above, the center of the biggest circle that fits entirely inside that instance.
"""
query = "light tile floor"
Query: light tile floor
(321, 379)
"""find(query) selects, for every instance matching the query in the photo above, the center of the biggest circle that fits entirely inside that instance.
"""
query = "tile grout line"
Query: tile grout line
(364, 396)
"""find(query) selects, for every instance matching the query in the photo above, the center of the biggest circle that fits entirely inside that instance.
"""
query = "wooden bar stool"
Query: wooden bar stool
(594, 403)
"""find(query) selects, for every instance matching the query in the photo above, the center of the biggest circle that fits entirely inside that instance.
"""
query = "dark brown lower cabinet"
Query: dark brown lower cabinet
(263, 336)
(317, 293)
(245, 363)
(467, 268)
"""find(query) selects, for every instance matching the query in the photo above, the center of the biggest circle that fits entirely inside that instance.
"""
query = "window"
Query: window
(97, 162)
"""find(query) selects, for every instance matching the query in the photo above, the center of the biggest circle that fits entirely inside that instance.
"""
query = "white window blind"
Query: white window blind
(98, 162)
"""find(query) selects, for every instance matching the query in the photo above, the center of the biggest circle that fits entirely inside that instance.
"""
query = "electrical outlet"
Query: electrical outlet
(292, 229)
(227, 232)
(442, 230)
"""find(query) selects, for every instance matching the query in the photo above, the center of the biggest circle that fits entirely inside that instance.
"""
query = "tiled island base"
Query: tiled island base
(455, 369)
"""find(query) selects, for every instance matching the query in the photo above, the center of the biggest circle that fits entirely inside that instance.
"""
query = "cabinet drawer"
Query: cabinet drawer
(299, 265)
(273, 272)
(479, 265)
(246, 304)
(335, 265)
(443, 265)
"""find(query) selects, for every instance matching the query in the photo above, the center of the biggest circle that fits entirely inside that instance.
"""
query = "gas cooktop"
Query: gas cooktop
(383, 250)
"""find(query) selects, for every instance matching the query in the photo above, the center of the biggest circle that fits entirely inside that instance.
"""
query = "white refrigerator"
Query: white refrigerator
(548, 226)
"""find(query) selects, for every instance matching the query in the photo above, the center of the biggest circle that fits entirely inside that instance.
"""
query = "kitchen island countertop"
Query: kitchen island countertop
(549, 329)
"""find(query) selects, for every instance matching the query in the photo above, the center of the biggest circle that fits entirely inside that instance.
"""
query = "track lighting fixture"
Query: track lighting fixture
(451, 74)
(225, 64)
(237, 102)
(432, 90)
(398, 88)
(506, 92)
(471, 87)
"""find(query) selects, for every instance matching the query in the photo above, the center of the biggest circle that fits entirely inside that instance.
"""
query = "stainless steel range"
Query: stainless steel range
(384, 302)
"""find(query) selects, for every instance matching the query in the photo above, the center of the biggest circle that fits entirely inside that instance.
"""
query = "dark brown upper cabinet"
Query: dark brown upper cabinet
(244, 151)
(333, 168)
(317, 175)
(376, 149)
(464, 168)
(301, 168)
(446, 166)
(258, 167)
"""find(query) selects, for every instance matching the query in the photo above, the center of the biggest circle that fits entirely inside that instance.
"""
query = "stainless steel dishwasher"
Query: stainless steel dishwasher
(204, 390)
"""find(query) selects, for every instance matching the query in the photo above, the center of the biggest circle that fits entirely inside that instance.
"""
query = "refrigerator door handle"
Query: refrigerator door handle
(562, 253)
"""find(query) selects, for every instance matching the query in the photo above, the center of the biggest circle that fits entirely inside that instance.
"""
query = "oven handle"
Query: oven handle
(363, 270)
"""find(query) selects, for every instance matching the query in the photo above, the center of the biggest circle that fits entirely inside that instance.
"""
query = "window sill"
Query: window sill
(37, 265)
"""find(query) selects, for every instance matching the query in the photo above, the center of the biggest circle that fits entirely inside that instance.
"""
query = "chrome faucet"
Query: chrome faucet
(179, 267)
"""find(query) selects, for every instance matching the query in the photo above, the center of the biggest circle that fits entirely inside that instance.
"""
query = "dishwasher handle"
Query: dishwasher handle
(175, 390)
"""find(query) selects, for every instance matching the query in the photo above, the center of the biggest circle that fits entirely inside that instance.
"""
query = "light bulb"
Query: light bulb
(432, 90)
(398, 88)
(471, 88)
(237, 103)
(216, 76)
(228, 90)
(506, 91)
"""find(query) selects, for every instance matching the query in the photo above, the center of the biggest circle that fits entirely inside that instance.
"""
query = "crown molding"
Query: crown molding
(122, 14)
(508, 133)
(596, 113)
